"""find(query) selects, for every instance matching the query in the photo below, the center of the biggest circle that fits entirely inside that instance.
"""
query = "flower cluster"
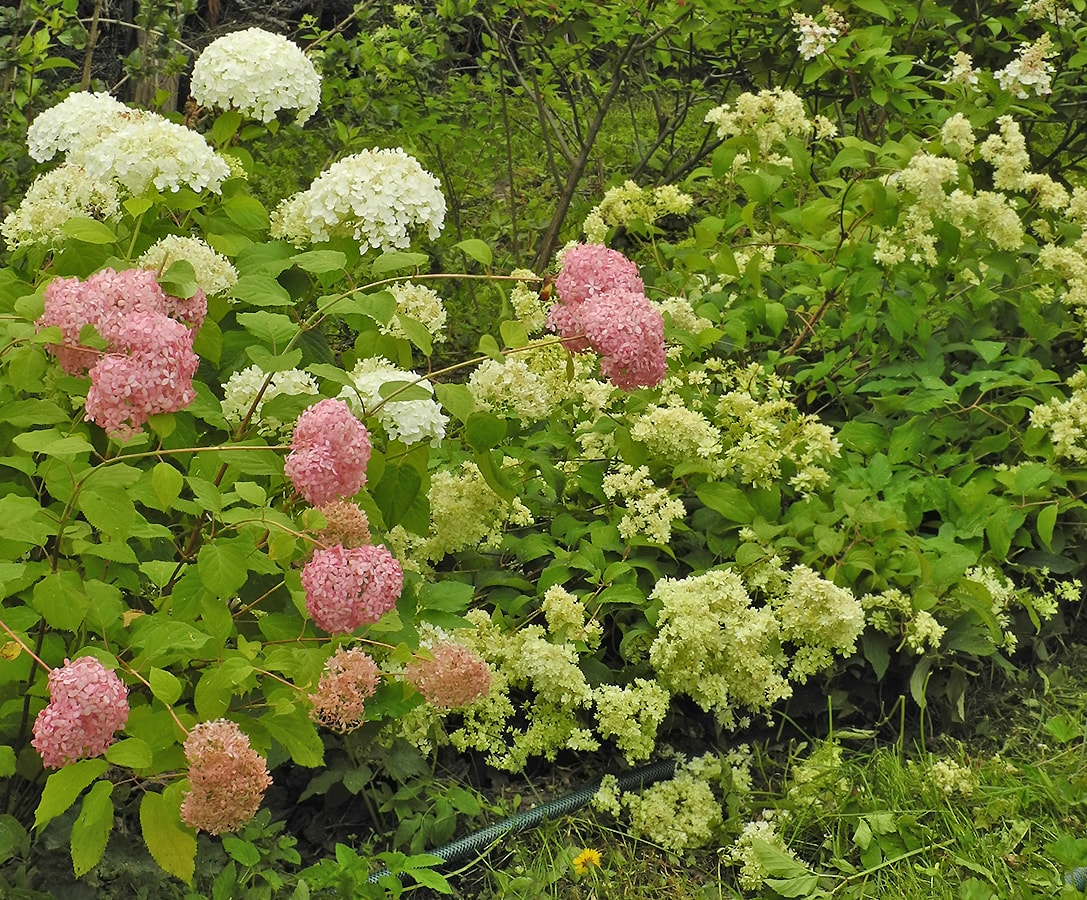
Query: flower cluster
(526, 302)
(892, 612)
(565, 617)
(650, 511)
(631, 716)
(816, 38)
(962, 71)
(345, 524)
(349, 587)
(241, 390)
(257, 73)
(133, 148)
(677, 434)
(683, 812)
(1066, 420)
(149, 362)
(742, 853)
(375, 197)
(349, 678)
(406, 420)
(227, 778)
(418, 302)
(214, 272)
(603, 307)
(329, 452)
(465, 512)
(530, 385)
(52, 200)
(629, 204)
(453, 676)
(87, 705)
(1030, 71)
(771, 116)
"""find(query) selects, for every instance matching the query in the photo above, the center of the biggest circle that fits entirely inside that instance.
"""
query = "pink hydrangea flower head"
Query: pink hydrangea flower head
(87, 705)
(151, 372)
(346, 524)
(591, 269)
(149, 363)
(565, 321)
(227, 778)
(349, 587)
(454, 678)
(628, 333)
(349, 677)
(329, 452)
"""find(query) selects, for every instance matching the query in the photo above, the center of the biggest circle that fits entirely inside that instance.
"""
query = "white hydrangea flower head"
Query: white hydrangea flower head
(241, 390)
(151, 150)
(257, 73)
(376, 197)
(416, 301)
(214, 272)
(52, 199)
(410, 421)
(961, 71)
(79, 119)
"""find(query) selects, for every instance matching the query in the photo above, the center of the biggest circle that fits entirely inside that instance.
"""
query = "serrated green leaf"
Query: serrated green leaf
(225, 127)
(171, 845)
(484, 431)
(477, 250)
(417, 333)
(88, 230)
(319, 262)
(132, 753)
(396, 260)
(727, 500)
(402, 391)
(260, 290)
(776, 862)
(247, 212)
(456, 398)
(61, 600)
(297, 733)
(164, 685)
(90, 831)
(241, 851)
(514, 334)
(222, 566)
(63, 788)
(269, 362)
(109, 510)
(51, 443)
(274, 329)
(166, 482)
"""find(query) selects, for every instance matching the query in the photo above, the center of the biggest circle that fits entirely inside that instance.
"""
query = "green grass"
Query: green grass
(880, 824)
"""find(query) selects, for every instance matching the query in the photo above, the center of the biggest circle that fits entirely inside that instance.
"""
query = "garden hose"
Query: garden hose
(530, 818)
(1077, 878)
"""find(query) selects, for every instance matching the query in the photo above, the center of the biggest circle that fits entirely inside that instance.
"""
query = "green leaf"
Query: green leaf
(417, 333)
(225, 127)
(477, 250)
(171, 845)
(63, 788)
(260, 290)
(484, 431)
(61, 600)
(241, 851)
(395, 260)
(7, 761)
(431, 879)
(164, 685)
(90, 831)
(274, 329)
(456, 398)
(776, 862)
(403, 391)
(269, 362)
(137, 206)
(246, 212)
(297, 733)
(222, 566)
(514, 334)
(90, 231)
(166, 482)
(132, 753)
(319, 262)
(727, 500)
(489, 346)
(877, 7)
(1045, 522)
(776, 317)
(109, 510)
(52, 443)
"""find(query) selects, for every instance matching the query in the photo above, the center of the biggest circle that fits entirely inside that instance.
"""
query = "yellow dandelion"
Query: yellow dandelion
(586, 859)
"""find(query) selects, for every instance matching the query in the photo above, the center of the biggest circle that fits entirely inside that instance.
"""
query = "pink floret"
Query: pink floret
(454, 678)
(227, 778)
